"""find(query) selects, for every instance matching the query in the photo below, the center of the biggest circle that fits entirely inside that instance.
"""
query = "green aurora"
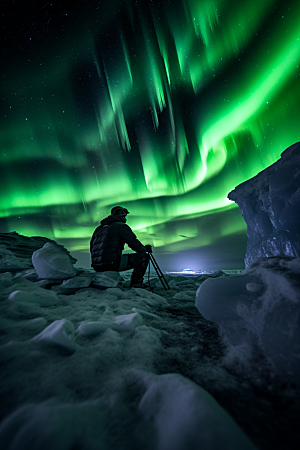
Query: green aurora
(162, 107)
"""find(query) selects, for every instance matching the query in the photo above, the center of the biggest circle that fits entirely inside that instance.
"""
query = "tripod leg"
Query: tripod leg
(159, 273)
(156, 269)
(159, 270)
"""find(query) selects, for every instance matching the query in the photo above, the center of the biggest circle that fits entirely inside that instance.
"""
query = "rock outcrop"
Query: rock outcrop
(16, 250)
(270, 205)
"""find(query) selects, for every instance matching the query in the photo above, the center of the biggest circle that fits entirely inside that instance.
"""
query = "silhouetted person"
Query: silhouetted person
(108, 242)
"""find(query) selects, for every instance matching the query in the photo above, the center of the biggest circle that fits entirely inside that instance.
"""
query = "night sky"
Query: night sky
(162, 107)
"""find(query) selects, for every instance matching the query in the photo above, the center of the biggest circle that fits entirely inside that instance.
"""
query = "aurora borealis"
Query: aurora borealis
(160, 106)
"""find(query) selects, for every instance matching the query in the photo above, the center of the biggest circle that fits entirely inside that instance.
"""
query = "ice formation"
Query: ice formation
(106, 279)
(258, 314)
(270, 205)
(16, 250)
(71, 285)
(51, 262)
(59, 334)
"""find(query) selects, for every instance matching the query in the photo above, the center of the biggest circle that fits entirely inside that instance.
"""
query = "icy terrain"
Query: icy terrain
(258, 313)
(270, 205)
(88, 366)
(16, 250)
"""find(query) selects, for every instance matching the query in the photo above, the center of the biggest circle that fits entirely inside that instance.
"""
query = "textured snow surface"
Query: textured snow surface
(167, 412)
(9, 261)
(270, 205)
(89, 367)
(258, 314)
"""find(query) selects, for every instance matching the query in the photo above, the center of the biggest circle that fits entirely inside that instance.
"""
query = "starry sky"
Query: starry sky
(162, 107)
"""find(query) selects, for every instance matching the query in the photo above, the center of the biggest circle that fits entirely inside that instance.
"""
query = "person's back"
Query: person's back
(108, 241)
(105, 244)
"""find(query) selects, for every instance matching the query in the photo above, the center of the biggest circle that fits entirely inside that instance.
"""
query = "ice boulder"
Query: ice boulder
(60, 334)
(106, 279)
(51, 262)
(270, 205)
(72, 285)
(258, 313)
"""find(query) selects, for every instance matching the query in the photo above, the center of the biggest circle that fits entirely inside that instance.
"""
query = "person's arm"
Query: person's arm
(131, 240)
(91, 243)
(92, 240)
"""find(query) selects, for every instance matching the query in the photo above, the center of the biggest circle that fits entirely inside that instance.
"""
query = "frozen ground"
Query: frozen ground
(126, 369)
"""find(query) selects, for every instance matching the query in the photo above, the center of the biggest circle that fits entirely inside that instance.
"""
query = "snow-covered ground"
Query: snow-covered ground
(117, 368)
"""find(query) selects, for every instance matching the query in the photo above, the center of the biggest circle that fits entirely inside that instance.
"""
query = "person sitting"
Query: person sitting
(108, 242)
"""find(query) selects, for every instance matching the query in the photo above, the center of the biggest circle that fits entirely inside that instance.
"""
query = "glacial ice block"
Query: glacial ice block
(51, 262)
(270, 205)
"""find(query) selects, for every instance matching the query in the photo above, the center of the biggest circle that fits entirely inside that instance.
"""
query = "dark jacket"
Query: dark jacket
(108, 242)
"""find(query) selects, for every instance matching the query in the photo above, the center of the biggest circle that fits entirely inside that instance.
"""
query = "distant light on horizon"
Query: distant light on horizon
(190, 272)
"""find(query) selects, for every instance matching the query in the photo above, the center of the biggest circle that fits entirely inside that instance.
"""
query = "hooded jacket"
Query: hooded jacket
(108, 241)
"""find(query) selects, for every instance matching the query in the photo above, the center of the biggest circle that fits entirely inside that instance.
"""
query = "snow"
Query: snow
(79, 366)
(106, 279)
(9, 261)
(161, 420)
(71, 285)
(179, 417)
(19, 289)
(88, 366)
(258, 314)
(51, 262)
(270, 205)
(60, 334)
(124, 323)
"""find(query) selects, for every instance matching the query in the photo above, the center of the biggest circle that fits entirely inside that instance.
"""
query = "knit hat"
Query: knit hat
(119, 211)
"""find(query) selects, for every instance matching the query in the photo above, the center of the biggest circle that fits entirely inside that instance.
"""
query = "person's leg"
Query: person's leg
(138, 262)
(123, 263)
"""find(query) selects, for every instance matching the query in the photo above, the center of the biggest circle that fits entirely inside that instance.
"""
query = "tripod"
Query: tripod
(159, 272)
